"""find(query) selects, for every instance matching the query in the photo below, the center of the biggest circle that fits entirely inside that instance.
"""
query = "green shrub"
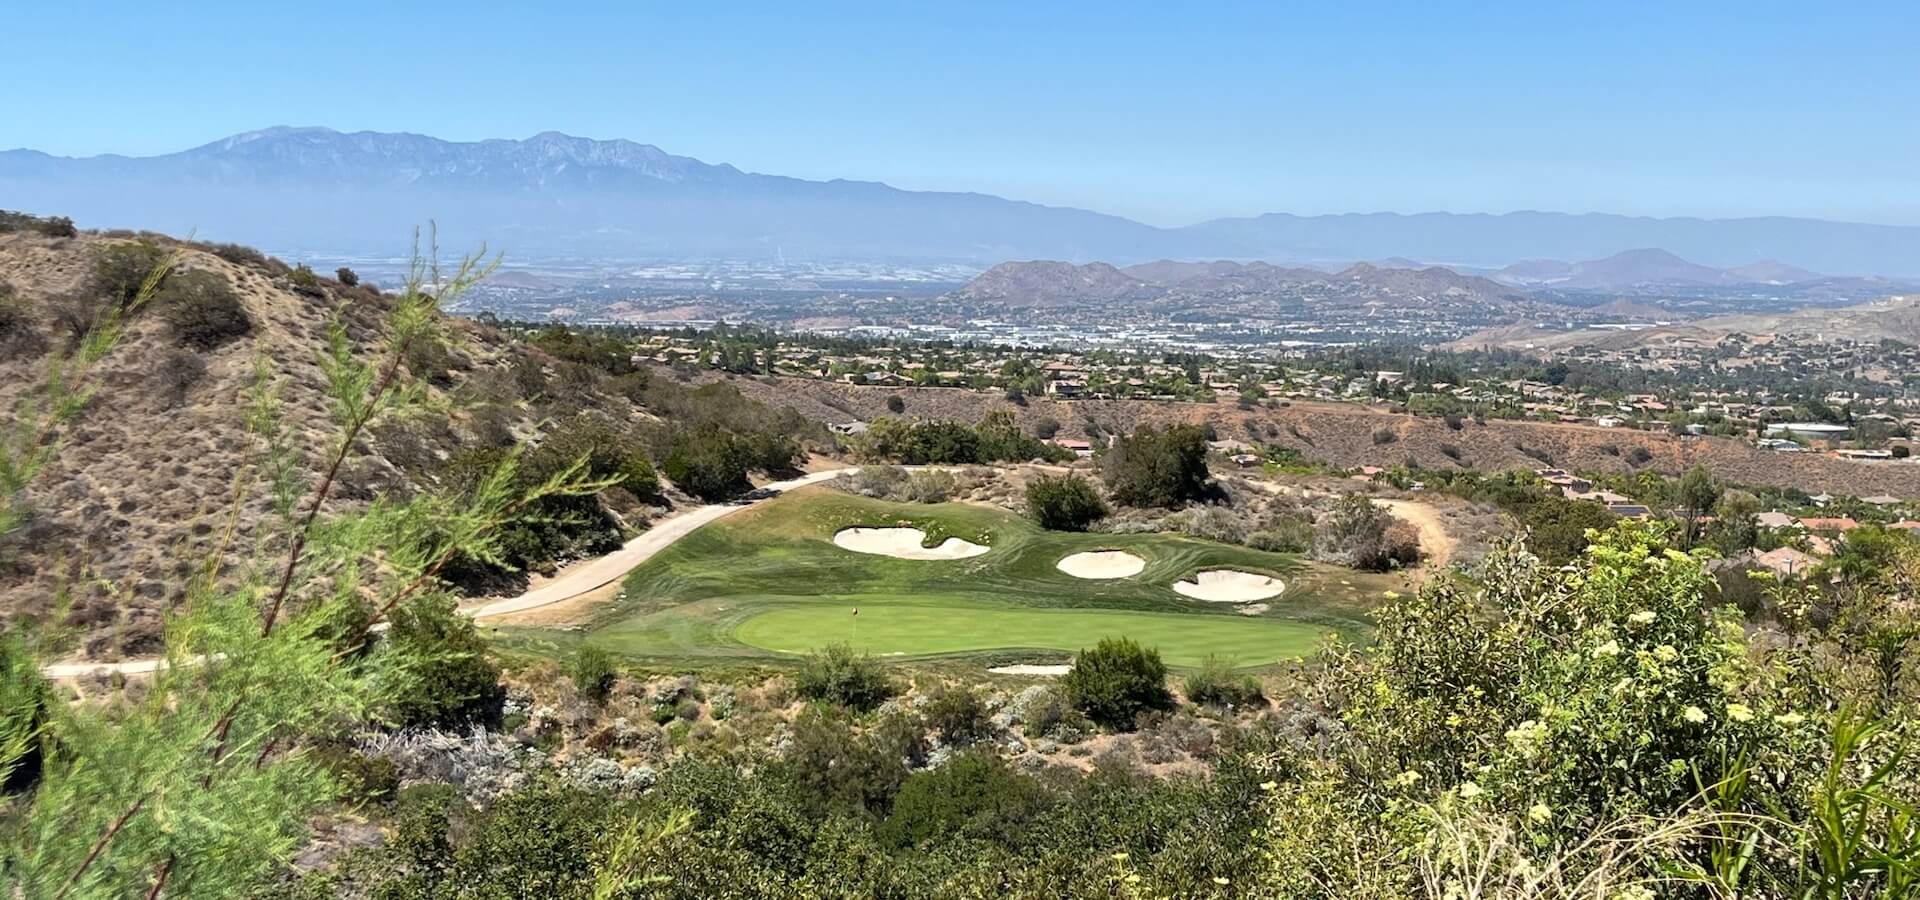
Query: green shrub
(1216, 684)
(1067, 503)
(974, 795)
(593, 672)
(346, 276)
(451, 681)
(1285, 534)
(303, 281)
(709, 463)
(1116, 681)
(841, 676)
(1155, 468)
(958, 714)
(203, 310)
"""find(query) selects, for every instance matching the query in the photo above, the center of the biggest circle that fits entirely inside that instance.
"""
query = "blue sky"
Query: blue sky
(1170, 113)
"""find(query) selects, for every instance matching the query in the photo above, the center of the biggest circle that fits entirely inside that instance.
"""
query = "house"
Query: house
(1786, 561)
(1907, 525)
(1243, 460)
(847, 427)
(1881, 500)
(1609, 421)
(1776, 520)
(1864, 455)
(1082, 449)
(1831, 523)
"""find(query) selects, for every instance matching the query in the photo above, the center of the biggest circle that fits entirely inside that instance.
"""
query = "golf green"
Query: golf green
(1183, 640)
(768, 582)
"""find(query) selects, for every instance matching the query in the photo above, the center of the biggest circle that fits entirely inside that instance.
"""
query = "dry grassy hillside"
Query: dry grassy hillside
(1348, 435)
(143, 488)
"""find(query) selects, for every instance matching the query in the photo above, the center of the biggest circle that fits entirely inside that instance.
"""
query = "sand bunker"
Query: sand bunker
(1032, 669)
(1229, 586)
(1102, 564)
(903, 543)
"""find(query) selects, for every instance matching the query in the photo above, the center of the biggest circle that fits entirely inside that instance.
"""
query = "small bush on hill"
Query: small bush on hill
(303, 281)
(1289, 533)
(1157, 468)
(452, 684)
(50, 226)
(347, 276)
(930, 487)
(896, 405)
(1216, 684)
(958, 714)
(203, 311)
(1116, 681)
(841, 676)
(593, 672)
(1067, 503)
(1365, 536)
(709, 463)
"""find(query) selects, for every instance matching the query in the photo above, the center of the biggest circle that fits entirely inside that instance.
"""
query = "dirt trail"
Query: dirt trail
(1436, 545)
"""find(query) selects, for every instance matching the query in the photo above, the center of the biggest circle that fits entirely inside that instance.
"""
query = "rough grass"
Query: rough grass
(769, 581)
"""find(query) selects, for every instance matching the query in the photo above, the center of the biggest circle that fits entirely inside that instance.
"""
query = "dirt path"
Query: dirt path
(1436, 545)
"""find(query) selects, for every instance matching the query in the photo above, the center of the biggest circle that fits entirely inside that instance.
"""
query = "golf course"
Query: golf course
(771, 582)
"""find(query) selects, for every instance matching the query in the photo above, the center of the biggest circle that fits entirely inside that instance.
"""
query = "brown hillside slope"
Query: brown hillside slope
(1351, 436)
(142, 490)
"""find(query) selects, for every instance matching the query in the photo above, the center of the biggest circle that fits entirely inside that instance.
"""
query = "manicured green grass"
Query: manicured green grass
(768, 582)
(900, 630)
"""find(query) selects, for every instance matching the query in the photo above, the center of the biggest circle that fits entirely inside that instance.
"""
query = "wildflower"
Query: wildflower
(1790, 719)
(1665, 653)
(1120, 857)
(1643, 617)
(1607, 650)
(1540, 813)
(1694, 714)
(1392, 595)
(1469, 790)
(1269, 785)
(1222, 880)
(1407, 778)
(1739, 712)
(1634, 892)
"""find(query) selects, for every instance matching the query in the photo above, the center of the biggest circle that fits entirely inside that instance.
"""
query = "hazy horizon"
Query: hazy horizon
(1168, 117)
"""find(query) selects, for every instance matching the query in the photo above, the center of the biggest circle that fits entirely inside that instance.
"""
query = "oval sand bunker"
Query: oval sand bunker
(903, 543)
(1229, 586)
(1102, 564)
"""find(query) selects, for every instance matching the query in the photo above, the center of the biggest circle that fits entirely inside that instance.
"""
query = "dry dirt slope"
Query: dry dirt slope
(141, 489)
(1348, 435)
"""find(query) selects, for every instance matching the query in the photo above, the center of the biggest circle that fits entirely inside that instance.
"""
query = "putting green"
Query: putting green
(1183, 640)
(768, 582)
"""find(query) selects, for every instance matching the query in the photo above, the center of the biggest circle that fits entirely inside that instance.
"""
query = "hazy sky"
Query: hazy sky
(1166, 112)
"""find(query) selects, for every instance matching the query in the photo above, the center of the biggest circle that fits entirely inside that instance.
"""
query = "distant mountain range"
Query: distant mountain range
(557, 195)
(1636, 268)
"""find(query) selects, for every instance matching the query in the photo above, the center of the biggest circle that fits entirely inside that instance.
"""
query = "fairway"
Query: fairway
(1183, 640)
(769, 582)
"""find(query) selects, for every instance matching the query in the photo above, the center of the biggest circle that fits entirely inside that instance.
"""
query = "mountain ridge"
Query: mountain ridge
(312, 186)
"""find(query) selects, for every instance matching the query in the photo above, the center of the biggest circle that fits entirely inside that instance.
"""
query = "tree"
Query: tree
(1116, 681)
(346, 276)
(1696, 494)
(1066, 503)
(1557, 528)
(1154, 467)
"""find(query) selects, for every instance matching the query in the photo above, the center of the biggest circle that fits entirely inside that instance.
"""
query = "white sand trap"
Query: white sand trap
(1102, 564)
(1229, 586)
(1031, 669)
(903, 543)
